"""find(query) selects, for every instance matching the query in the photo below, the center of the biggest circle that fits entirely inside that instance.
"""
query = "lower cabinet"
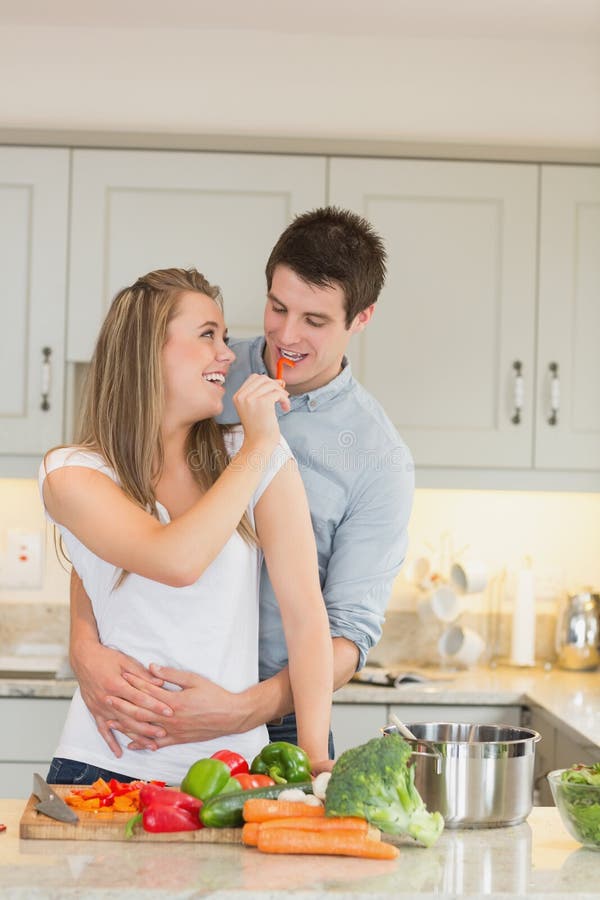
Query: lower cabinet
(30, 730)
(355, 723)
(558, 749)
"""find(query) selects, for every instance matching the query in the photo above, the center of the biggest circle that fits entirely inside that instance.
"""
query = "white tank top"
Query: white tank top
(209, 627)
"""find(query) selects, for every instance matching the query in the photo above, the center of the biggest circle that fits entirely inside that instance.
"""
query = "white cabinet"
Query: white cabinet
(462, 314)
(356, 723)
(569, 319)
(558, 749)
(34, 190)
(31, 727)
(133, 211)
(458, 309)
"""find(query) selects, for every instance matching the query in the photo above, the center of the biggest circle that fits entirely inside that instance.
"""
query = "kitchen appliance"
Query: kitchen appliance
(51, 804)
(578, 632)
(485, 779)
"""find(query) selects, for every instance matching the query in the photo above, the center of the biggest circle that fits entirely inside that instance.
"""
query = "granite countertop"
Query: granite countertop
(536, 858)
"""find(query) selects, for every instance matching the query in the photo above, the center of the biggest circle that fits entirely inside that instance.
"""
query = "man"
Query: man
(324, 277)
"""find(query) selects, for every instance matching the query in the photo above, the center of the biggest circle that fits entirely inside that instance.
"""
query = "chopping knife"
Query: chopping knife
(50, 804)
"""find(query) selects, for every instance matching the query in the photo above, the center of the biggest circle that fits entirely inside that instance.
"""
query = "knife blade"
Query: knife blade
(50, 803)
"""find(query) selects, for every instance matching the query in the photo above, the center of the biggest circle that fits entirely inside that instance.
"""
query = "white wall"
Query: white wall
(477, 89)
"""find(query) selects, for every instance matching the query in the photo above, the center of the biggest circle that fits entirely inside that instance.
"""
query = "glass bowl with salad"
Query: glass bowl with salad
(576, 793)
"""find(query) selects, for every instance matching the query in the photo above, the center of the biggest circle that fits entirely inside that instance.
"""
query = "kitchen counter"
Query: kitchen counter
(537, 858)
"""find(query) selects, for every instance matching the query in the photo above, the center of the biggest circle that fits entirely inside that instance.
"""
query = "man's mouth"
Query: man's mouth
(217, 378)
(294, 357)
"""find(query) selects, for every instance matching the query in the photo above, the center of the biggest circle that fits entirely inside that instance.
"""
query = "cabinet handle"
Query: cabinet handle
(519, 392)
(554, 394)
(46, 378)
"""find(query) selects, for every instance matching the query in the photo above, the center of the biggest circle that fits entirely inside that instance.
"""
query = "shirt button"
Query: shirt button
(312, 404)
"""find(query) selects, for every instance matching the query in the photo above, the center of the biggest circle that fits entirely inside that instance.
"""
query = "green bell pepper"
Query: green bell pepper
(208, 777)
(283, 762)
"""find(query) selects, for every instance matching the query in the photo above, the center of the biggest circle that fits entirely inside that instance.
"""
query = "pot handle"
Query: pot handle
(434, 753)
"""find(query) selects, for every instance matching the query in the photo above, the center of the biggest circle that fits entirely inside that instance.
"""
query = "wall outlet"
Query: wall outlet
(24, 559)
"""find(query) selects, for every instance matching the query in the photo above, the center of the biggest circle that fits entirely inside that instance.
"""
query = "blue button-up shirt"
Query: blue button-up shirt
(359, 479)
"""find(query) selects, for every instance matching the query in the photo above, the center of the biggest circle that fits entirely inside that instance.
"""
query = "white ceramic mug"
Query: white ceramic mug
(440, 605)
(469, 577)
(418, 570)
(461, 646)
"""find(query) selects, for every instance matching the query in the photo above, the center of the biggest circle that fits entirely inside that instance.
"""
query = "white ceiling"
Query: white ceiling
(526, 19)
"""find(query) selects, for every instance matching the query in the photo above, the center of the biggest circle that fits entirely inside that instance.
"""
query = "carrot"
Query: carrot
(320, 823)
(333, 843)
(259, 809)
(250, 834)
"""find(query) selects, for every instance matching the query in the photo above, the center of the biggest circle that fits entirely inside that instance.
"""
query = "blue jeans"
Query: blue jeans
(287, 731)
(70, 771)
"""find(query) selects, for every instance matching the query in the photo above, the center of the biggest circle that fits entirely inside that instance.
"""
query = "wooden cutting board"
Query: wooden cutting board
(109, 826)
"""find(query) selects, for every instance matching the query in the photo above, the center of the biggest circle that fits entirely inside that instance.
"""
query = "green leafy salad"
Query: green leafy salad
(580, 796)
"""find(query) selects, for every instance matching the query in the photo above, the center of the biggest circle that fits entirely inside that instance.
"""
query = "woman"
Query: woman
(157, 506)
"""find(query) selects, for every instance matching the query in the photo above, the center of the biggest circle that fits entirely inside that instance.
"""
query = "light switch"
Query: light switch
(24, 560)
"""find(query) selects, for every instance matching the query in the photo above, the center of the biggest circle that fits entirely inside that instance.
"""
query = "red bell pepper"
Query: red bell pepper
(234, 762)
(164, 817)
(249, 781)
(151, 795)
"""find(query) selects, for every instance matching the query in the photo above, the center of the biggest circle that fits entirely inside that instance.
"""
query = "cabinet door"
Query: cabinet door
(458, 308)
(133, 211)
(31, 727)
(33, 247)
(569, 319)
(473, 715)
(356, 723)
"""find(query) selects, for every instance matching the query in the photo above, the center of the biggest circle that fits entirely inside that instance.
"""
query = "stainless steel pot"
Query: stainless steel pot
(485, 779)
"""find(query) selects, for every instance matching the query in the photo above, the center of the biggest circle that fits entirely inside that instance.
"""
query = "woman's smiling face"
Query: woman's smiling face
(196, 360)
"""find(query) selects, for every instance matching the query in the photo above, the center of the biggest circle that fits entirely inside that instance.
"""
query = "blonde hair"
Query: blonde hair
(122, 404)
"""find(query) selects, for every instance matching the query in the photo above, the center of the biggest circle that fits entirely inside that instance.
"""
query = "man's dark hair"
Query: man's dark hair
(330, 247)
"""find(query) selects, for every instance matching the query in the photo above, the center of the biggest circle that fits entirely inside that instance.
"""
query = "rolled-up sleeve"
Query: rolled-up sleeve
(369, 548)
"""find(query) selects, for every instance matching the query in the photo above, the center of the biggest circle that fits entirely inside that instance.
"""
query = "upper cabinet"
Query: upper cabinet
(134, 211)
(568, 361)
(483, 348)
(34, 191)
(450, 350)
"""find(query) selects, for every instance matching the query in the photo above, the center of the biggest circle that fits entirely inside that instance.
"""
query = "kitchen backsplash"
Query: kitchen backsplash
(560, 532)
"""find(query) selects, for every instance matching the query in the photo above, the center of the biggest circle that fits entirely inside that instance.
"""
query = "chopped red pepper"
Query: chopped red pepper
(249, 781)
(281, 362)
(234, 762)
(2, 827)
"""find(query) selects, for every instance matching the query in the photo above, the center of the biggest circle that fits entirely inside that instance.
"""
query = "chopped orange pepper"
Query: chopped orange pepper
(281, 362)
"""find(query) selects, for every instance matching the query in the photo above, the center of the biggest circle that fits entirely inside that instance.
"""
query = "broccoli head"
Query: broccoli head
(375, 782)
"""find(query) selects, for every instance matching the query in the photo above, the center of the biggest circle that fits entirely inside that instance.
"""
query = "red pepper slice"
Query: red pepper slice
(249, 781)
(2, 827)
(234, 762)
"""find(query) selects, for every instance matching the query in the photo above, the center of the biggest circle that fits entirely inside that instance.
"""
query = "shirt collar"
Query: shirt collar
(313, 399)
